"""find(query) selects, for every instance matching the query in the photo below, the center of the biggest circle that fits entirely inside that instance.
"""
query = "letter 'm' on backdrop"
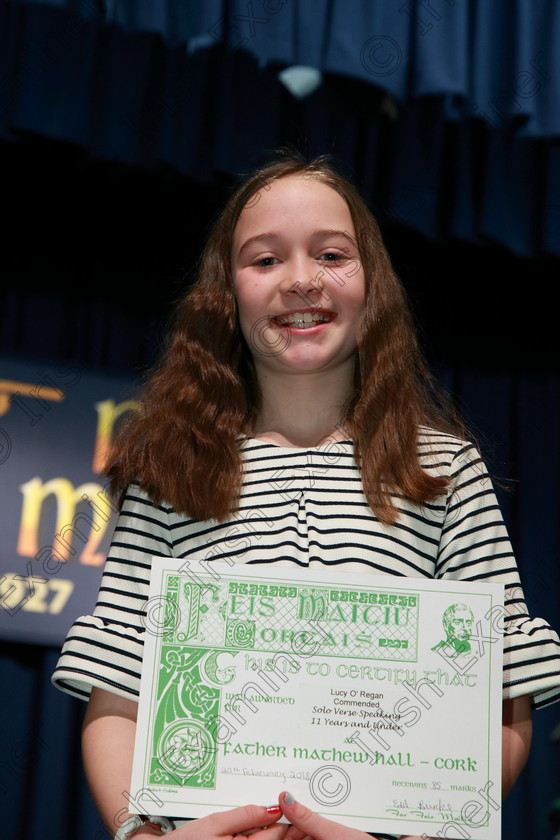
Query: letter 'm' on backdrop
(56, 424)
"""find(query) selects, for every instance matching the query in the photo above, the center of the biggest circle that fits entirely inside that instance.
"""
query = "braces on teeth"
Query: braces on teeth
(301, 320)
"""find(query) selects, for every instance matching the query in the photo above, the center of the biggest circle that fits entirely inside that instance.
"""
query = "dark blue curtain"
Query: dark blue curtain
(121, 125)
(493, 58)
(458, 98)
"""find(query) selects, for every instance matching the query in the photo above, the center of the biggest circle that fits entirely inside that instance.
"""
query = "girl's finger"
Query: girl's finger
(306, 820)
(241, 819)
(295, 833)
(274, 832)
(310, 823)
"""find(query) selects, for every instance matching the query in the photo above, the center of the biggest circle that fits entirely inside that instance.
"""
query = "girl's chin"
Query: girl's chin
(306, 363)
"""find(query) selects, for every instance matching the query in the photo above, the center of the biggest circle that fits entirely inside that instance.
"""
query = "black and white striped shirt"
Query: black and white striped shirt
(306, 507)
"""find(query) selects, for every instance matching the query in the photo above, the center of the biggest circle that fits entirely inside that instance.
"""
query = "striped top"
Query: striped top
(306, 507)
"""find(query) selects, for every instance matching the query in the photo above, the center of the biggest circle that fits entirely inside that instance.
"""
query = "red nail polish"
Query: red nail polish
(274, 809)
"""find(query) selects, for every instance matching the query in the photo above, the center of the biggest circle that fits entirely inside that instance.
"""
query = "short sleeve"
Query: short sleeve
(105, 649)
(475, 546)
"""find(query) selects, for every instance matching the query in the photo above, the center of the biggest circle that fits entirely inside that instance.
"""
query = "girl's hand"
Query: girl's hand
(306, 825)
(256, 820)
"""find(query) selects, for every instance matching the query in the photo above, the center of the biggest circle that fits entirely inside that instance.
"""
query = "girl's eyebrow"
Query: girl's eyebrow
(317, 234)
(257, 238)
(345, 233)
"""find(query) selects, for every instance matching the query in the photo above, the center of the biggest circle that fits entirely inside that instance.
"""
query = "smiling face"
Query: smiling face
(298, 278)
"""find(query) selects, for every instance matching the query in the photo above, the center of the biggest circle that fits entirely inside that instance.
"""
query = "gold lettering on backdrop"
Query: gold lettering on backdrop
(82, 513)
(108, 412)
(10, 391)
(87, 526)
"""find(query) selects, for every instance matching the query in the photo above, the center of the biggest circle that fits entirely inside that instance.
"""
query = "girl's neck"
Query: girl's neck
(302, 410)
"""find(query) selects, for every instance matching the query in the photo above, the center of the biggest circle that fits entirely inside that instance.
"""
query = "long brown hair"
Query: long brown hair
(183, 448)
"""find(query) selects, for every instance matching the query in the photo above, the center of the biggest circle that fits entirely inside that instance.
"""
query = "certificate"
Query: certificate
(375, 700)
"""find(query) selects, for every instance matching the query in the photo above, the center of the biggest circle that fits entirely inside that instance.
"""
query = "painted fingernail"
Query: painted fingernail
(274, 809)
(289, 799)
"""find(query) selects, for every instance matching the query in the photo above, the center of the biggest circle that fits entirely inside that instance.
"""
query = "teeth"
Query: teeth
(303, 319)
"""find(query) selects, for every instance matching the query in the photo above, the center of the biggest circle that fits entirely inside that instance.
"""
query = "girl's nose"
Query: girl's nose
(308, 284)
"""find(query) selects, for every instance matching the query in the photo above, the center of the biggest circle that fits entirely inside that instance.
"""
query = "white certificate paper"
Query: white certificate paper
(375, 700)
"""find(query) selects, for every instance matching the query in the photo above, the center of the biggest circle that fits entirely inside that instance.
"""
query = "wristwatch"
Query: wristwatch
(129, 828)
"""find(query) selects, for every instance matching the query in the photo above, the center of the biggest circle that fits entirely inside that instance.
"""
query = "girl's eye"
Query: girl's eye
(333, 256)
(266, 261)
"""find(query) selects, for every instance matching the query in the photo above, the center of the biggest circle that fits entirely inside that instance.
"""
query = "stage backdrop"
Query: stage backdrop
(55, 426)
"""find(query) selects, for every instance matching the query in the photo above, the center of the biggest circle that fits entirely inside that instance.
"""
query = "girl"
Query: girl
(292, 409)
